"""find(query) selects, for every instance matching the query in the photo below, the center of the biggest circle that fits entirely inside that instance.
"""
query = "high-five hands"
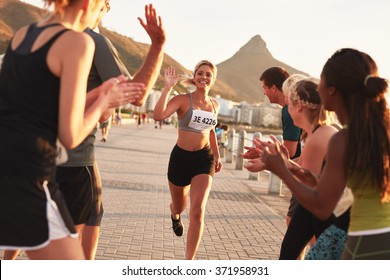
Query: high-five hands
(153, 25)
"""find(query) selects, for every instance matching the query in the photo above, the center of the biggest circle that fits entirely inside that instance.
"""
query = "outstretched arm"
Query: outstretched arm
(150, 69)
(163, 108)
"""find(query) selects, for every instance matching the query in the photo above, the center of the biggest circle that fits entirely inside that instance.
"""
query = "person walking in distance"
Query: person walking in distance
(104, 128)
(118, 118)
(195, 157)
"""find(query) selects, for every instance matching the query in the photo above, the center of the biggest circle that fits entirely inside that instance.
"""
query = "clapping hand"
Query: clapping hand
(120, 91)
(275, 157)
(254, 165)
(251, 153)
(254, 152)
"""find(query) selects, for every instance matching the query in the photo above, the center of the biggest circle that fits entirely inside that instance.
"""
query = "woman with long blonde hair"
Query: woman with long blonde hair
(195, 157)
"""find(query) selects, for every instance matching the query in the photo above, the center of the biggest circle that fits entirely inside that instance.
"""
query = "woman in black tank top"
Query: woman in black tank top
(42, 96)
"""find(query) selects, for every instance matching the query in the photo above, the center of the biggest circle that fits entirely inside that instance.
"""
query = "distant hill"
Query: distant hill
(13, 15)
(244, 69)
(238, 77)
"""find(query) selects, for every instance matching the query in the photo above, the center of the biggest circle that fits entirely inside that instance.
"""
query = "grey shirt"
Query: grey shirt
(106, 64)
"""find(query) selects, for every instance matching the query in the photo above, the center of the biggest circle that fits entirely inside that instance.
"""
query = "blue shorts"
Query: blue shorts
(329, 245)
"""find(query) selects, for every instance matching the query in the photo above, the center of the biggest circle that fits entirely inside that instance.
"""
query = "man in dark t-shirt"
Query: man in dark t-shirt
(80, 172)
(272, 81)
(291, 133)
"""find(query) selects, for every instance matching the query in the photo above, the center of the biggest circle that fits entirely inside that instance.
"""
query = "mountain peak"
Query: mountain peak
(257, 41)
(256, 45)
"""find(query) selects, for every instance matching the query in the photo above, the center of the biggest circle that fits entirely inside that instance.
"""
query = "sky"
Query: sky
(300, 33)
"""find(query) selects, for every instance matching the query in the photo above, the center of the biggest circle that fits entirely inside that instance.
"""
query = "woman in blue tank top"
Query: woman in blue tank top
(43, 84)
(195, 157)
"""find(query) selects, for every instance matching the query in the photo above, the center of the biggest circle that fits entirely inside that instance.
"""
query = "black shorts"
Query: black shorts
(292, 206)
(32, 214)
(184, 165)
(82, 189)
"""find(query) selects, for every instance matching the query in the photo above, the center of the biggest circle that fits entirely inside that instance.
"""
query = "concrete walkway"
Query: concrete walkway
(242, 220)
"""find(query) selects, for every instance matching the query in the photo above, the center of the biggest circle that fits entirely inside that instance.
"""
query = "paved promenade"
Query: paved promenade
(242, 220)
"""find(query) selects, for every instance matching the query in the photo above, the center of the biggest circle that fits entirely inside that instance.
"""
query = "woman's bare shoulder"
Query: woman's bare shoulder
(181, 98)
(77, 39)
(21, 31)
(74, 45)
(321, 137)
(19, 35)
(325, 130)
(340, 138)
(338, 144)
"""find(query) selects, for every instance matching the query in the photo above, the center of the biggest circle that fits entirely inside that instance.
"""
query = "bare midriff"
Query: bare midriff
(191, 141)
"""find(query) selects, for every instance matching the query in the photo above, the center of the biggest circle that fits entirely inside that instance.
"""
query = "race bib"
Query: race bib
(202, 120)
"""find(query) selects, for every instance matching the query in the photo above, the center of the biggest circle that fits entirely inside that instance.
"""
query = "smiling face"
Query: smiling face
(204, 77)
(270, 92)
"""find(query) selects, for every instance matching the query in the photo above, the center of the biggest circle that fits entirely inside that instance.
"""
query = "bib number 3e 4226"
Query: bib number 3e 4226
(202, 120)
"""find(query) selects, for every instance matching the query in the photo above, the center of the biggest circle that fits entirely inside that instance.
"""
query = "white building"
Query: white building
(265, 114)
(225, 106)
